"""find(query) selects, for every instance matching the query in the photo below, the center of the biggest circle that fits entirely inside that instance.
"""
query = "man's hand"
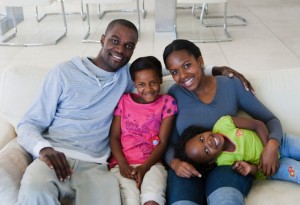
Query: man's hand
(184, 169)
(57, 161)
(268, 163)
(224, 70)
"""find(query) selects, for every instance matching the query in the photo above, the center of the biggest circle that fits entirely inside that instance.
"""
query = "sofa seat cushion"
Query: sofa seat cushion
(13, 162)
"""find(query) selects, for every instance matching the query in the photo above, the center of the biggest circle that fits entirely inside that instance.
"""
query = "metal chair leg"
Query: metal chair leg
(6, 41)
(142, 10)
(82, 14)
(243, 21)
(87, 34)
(100, 15)
(213, 40)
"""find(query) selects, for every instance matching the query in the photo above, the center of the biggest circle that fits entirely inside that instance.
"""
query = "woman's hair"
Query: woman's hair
(145, 63)
(181, 44)
(180, 152)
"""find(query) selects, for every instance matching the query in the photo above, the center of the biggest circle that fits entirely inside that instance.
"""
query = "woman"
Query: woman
(202, 100)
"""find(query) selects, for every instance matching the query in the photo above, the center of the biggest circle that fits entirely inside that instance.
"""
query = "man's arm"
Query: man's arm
(37, 119)
(224, 70)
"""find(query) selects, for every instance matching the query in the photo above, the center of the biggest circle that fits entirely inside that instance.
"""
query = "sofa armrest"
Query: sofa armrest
(13, 162)
(7, 132)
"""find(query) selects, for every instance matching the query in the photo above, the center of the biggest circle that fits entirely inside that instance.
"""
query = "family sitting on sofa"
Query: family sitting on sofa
(86, 109)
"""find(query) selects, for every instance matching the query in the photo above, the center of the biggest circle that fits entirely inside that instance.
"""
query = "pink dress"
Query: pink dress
(140, 124)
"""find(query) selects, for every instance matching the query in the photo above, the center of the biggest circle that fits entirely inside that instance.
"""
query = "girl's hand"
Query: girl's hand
(139, 173)
(127, 171)
(184, 169)
(242, 167)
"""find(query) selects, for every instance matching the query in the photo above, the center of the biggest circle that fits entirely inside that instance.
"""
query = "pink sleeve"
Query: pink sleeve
(170, 107)
(119, 109)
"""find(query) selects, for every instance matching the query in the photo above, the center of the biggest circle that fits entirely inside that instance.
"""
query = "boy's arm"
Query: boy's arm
(252, 124)
(116, 148)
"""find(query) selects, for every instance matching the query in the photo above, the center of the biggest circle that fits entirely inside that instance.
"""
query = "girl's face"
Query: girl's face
(185, 69)
(205, 148)
(147, 83)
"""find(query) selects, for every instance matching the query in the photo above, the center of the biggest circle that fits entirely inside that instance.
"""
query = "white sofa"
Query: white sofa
(278, 89)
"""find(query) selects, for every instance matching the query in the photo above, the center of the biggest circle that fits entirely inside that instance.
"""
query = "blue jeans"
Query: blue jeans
(289, 159)
(222, 186)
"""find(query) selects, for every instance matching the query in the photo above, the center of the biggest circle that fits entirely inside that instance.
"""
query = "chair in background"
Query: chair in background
(142, 10)
(203, 4)
(81, 12)
(102, 2)
(35, 3)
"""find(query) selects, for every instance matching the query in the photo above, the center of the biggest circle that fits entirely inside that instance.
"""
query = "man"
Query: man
(66, 129)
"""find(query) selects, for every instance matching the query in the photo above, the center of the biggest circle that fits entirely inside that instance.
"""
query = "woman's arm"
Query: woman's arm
(252, 124)
(269, 157)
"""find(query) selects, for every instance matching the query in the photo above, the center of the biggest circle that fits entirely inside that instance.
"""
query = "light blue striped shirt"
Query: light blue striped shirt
(73, 111)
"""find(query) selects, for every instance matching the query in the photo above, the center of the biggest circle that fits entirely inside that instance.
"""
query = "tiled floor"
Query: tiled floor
(271, 40)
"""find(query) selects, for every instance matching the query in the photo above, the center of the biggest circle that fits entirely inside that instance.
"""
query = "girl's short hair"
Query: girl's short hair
(145, 63)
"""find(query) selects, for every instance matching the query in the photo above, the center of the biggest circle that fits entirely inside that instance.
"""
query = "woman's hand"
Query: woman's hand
(269, 158)
(224, 70)
(184, 169)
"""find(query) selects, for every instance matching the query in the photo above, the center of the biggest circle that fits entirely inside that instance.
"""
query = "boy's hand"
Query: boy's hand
(57, 161)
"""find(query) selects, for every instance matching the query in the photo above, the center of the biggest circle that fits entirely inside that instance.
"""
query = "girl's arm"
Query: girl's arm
(252, 124)
(116, 148)
(245, 168)
(158, 152)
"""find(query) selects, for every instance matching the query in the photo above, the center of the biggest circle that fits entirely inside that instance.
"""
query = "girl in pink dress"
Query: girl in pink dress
(139, 135)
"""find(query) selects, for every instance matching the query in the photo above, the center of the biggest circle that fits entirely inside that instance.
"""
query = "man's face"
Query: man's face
(117, 47)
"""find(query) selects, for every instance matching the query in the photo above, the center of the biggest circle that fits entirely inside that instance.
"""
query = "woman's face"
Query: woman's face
(185, 69)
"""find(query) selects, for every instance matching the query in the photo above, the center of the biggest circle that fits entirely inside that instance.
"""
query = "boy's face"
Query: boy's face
(117, 47)
(204, 148)
(147, 83)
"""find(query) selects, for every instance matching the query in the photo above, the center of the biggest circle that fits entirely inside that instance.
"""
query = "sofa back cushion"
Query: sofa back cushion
(279, 90)
(19, 86)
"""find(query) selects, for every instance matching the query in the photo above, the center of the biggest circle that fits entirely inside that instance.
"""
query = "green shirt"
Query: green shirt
(248, 146)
